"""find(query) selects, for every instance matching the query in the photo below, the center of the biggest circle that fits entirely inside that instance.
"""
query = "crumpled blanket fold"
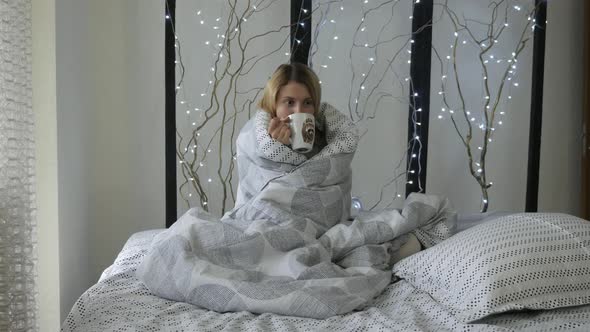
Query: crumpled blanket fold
(288, 246)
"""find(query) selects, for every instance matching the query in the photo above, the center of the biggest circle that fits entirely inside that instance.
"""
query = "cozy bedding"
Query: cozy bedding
(517, 244)
(288, 247)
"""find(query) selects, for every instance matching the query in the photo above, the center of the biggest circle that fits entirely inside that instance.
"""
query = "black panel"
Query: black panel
(419, 96)
(536, 123)
(170, 113)
(300, 30)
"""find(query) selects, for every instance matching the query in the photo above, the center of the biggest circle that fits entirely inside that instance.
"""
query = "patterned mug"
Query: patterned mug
(302, 131)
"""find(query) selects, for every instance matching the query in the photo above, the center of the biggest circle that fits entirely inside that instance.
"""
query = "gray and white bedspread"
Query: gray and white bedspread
(288, 247)
(120, 302)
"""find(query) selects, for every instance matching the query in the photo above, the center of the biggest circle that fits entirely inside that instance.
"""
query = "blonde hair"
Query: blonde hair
(284, 74)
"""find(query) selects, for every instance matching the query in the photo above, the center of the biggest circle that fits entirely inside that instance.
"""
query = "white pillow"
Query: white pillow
(520, 261)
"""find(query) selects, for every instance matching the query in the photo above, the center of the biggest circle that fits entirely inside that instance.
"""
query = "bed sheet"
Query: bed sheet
(120, 302)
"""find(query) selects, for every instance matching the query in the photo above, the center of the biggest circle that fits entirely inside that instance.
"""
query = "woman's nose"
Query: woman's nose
(298, 108)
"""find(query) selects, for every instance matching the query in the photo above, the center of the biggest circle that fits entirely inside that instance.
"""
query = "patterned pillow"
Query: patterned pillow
(516, 262)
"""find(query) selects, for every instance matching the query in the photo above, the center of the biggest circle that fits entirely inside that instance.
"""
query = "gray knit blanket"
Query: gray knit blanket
(288, 246)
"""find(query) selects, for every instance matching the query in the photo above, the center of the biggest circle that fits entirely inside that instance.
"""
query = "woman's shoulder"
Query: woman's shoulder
(328, 114)
(328, 109)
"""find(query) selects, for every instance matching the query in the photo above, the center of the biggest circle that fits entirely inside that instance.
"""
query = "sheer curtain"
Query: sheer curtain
(18, 307)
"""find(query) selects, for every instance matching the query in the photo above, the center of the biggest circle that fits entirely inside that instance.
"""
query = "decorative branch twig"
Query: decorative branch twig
(493, 93)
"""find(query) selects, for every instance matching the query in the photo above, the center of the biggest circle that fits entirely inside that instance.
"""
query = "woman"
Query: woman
(293, 88)
(264, 151)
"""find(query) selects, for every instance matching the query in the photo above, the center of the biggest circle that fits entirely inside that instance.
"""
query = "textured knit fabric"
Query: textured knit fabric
(18, 217)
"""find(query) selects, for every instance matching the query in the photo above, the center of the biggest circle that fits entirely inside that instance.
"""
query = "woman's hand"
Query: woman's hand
(280, 130)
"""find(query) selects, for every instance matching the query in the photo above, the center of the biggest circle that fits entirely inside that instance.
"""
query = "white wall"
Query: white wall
(73, 143)
(44, 107)
(126, 113)
(99, 100)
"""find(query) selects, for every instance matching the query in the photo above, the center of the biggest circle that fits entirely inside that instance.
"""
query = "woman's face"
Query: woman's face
(293, 98)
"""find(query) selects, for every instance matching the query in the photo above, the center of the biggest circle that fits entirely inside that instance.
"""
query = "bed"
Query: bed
(457, 285)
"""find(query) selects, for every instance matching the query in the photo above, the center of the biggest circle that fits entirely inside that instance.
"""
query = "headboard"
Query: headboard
(302, 41)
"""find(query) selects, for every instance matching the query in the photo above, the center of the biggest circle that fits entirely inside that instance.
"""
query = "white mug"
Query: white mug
(302, 131)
